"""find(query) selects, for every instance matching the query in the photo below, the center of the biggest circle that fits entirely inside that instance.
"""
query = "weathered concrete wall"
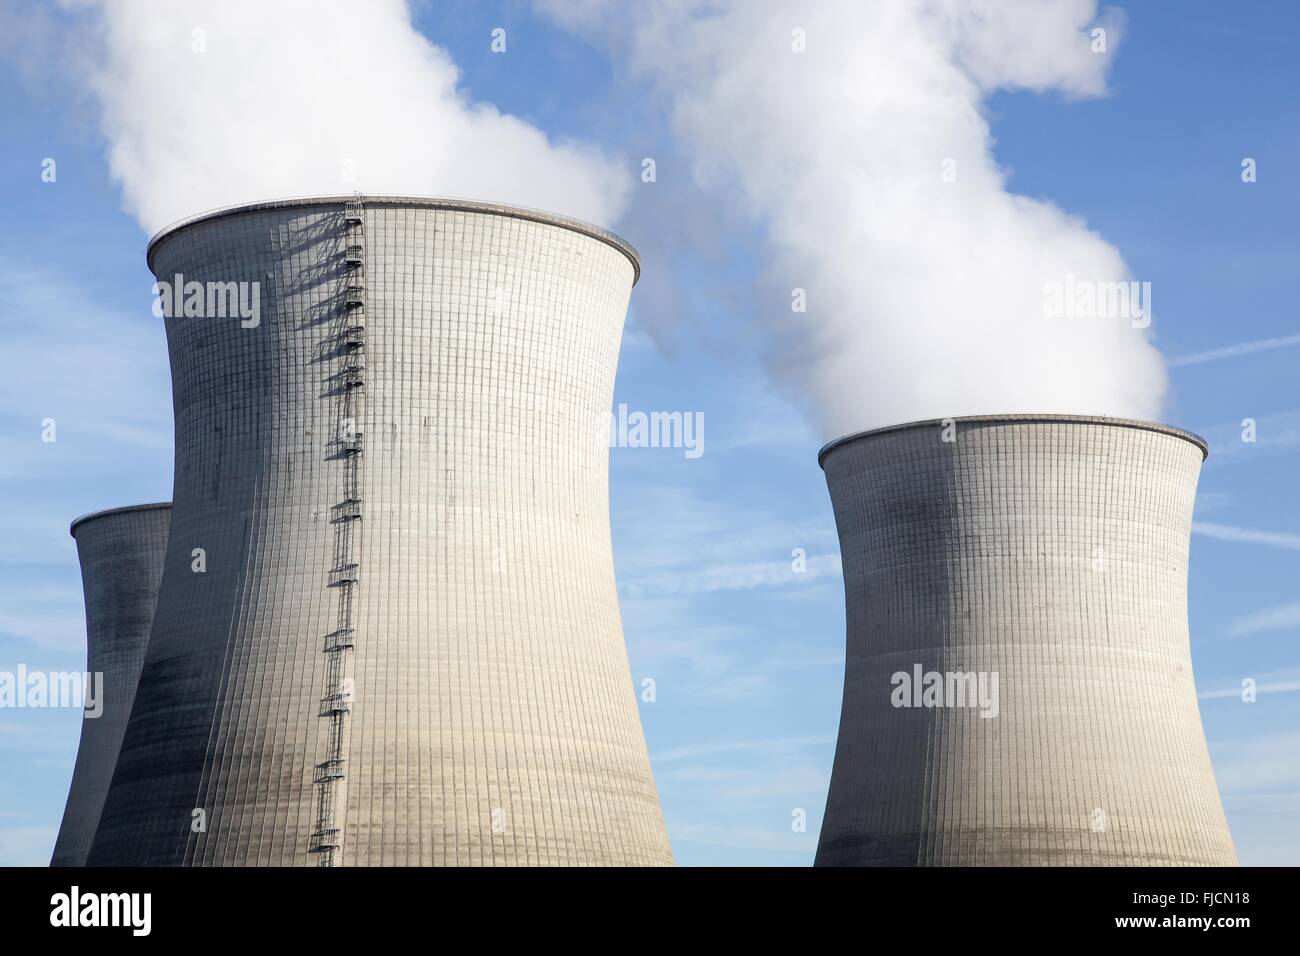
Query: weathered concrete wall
(121, 553)
(494, 719)
(1053, 552)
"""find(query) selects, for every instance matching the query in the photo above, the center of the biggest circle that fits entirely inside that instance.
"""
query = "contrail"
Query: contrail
(1282, 687)
(1232, 351)
(1276, 539)
(1282, 618)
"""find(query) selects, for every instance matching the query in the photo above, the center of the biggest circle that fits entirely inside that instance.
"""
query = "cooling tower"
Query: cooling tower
(121, 552)
(388, 632)
(1018, 681)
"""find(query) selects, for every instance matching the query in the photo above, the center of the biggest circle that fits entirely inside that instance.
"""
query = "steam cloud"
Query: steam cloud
(925, 298)
(291, 98)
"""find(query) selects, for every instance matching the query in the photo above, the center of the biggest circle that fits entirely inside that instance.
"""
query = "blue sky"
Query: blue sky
(747, 657)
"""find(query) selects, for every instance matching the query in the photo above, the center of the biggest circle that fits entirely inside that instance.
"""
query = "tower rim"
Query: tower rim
(428, 202)
(120, 510)
(1018, 419)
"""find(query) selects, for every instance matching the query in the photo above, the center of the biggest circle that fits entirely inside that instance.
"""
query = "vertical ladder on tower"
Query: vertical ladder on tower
(345, 448)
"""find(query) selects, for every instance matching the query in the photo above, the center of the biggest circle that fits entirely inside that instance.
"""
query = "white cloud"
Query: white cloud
(664, 630)
(1259, 777)
(44, 616)
(43, 733)
(98, 372)
(209, 103)
(1266, 763)
(100, 375)
(1275, 434)
(800, 782)
(925, 298)
(776, 838)
(673, 541)
(734, 577)
(27, 846)
(1212, 501)
(768, 745)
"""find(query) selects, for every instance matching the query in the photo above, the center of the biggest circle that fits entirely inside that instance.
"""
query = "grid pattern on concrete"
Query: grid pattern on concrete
(493, 718)
(1055, 555)
(121, 553)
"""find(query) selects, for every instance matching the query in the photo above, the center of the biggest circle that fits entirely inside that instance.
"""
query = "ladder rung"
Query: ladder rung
(324, 839)
(344, 575)
(328, 771)
(349, 510)
(334, 705)
(340, 640)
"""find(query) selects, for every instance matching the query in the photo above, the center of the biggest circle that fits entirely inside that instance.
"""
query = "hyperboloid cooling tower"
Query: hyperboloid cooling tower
(1018, 685)
(121, 552)
(388, 632)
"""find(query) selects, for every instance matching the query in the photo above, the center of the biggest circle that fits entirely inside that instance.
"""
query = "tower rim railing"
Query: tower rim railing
(428, 202)
(120, 510)
(1046, 418)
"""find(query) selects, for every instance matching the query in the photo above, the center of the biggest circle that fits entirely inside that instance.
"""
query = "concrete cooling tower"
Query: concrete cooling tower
(1018, 684)
(121, 553)
(388, 632)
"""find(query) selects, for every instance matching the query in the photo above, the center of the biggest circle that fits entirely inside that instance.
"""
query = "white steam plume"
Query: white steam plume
(926, 298)
(210, 103)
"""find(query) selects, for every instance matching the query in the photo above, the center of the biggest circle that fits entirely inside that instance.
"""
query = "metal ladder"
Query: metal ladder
(349, 339)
